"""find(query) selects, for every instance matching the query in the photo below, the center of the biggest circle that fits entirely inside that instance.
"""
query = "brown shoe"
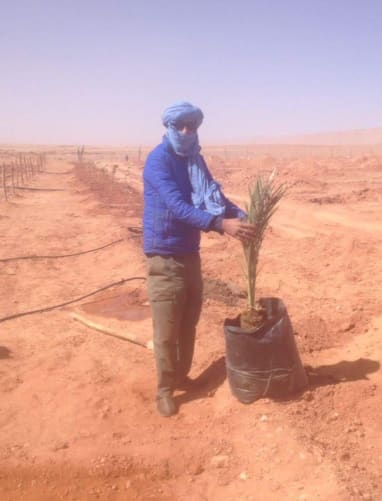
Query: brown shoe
(166, 406)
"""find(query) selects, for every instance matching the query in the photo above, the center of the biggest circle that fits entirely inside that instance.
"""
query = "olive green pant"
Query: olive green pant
(175, 292)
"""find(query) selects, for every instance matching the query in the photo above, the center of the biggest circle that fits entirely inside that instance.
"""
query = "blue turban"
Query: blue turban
(206, 193)
(182, 110)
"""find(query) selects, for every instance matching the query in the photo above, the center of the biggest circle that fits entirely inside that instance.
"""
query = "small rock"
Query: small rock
(196, 469)
(61, 445)
(345, 456)
(334, 416)
(243, 475)
(219, 461)
(308, 396)
(264, 418)
(348, 326)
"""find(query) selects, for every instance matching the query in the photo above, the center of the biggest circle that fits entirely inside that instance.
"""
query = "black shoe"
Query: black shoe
(166, 406)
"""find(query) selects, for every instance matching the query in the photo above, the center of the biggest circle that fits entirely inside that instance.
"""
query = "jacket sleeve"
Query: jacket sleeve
(232, 211)
(158, 174)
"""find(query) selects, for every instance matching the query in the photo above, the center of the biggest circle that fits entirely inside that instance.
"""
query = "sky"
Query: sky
(101, 72)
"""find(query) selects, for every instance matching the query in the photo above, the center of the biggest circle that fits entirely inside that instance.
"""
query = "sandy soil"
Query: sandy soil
(78, 418)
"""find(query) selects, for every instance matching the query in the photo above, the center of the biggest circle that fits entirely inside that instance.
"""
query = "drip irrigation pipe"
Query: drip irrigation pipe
(137, 230)
(49, 308)
(7, 259)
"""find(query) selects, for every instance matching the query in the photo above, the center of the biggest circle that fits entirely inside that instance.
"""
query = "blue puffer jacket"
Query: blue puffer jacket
(171, 224)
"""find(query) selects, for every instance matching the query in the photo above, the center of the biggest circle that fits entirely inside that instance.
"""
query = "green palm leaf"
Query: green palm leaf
(264, 197)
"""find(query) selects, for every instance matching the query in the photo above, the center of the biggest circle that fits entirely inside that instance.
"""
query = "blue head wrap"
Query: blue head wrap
(182, 110)
(206, 194)
(184, 144)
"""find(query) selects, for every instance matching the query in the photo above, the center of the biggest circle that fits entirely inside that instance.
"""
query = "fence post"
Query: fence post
(114, 170)
(4, 183)
(13, 177)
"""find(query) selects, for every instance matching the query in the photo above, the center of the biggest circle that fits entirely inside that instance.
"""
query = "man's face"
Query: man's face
(186, 126)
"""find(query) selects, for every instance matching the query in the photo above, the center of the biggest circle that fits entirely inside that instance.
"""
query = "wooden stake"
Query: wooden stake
(110, 332)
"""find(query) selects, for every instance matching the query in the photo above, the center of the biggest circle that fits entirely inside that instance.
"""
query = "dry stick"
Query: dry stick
(49, 172)
(60, 255)
(39, 189)
(110, 332)
(49, 308)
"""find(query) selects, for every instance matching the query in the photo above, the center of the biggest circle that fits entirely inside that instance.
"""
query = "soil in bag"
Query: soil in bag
(264, 362)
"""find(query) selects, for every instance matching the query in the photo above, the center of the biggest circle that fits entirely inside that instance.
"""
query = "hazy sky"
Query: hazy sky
(101, 72)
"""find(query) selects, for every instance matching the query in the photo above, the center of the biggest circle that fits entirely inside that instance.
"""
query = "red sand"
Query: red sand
(78, 418)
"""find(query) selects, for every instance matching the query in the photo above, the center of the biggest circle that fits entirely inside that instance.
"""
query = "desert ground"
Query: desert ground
(78, 419)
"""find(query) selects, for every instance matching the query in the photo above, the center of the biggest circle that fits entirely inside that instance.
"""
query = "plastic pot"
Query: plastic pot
(264, 362)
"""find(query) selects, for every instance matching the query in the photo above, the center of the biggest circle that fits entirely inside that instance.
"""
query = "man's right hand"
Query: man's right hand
(238, 229)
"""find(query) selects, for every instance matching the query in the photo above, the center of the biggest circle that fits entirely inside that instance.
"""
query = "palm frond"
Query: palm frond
(263, 201)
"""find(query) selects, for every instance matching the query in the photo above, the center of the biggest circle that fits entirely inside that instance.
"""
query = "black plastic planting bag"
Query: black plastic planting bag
(264, 362)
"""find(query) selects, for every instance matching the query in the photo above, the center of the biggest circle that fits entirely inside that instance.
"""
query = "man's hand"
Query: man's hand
(238, 229)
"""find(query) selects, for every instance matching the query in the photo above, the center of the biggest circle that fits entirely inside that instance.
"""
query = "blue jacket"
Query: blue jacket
(171, 224)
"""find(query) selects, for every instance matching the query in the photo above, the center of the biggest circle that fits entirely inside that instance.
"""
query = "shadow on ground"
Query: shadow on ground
(206, 384)
(5, 352)
(341, 372)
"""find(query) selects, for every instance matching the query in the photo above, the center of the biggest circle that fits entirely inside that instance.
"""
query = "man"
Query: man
(181, 198)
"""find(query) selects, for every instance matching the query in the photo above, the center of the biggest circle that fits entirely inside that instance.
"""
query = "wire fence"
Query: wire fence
(241, 153)
(17, 170)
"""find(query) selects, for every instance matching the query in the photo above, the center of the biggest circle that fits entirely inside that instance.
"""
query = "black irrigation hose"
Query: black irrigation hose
(42, 310)
(7, 259)
(138, 230)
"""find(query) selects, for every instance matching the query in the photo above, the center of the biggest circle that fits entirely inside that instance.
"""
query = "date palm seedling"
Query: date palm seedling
(262, 358)
(264, 196)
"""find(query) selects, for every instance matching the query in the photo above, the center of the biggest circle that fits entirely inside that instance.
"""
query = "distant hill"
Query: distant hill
(352, 137)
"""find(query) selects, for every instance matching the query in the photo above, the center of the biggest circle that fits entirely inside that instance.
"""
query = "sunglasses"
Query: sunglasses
(189, 125)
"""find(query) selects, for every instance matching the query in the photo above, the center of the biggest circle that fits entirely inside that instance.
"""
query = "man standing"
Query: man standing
(180, 199)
